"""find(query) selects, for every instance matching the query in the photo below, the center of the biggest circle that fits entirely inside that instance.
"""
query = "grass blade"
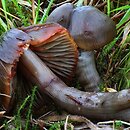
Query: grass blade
(3, 25)
(18, 116)
(30, 108)
(37, 12)
(46, 12)
(108, 7)
(79, 3)
(5, 10)
(121, 8)
(108, 47)
(20, 12)
(125, 18)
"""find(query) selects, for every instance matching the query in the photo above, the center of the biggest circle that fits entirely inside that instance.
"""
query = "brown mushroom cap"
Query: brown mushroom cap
(90, 28)
(53, 44)
(12, 45)
(61, 15)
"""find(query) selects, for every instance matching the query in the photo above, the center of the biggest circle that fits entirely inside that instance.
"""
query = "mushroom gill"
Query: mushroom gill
(54, 45)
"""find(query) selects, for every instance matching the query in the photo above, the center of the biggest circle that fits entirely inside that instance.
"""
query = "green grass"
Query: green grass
(56, 125)
(5, 10)
(20, 12)
(46, 12)
(17, 120)
(23, 13)
(108, 7)
(37, 13)
(3, 25)
(125, 18)
(30, 108)
(79, 3)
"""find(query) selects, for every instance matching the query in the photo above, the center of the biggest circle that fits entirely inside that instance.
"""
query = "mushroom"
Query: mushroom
(85, 23)
(88, 25)
(51, 42)
(90, 28)
(15, 43)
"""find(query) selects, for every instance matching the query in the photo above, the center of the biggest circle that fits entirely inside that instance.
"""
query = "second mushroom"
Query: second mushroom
(91, 30)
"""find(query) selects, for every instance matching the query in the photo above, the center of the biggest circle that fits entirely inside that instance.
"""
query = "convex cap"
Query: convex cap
(90, 28)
